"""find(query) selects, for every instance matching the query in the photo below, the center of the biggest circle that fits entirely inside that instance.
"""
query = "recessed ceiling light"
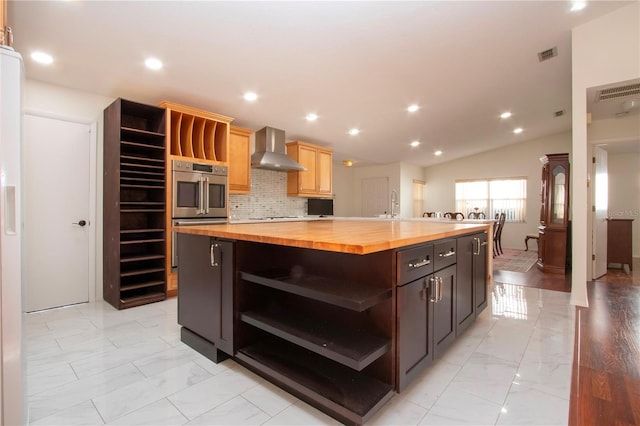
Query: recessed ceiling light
(517, 130)
(505, 114)
(153, 63)
(250, 96)
(415, 143)
(312, 117)
(354, 131)
(437, 153)
(42, 58)
(578, 5)
(347, 163)
(413, 108)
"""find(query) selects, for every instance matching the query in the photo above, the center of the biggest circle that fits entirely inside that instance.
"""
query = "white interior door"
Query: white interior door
(56, 159)
(375, 196)
(601, 203)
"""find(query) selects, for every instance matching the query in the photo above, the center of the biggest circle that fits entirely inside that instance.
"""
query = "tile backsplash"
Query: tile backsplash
(268, 197)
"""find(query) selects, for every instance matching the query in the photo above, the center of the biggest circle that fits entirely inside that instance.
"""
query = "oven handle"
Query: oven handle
(199, 222)
(201, 196)
(205, 189)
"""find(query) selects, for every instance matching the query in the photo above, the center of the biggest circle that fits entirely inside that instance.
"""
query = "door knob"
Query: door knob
(80, 222)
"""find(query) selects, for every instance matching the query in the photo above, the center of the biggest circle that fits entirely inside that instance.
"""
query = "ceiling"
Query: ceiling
(355, 64)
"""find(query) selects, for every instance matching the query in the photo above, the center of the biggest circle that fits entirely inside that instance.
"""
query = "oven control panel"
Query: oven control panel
(189, 166)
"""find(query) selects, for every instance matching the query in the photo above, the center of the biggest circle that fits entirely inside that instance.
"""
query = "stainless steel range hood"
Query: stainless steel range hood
(270, 151)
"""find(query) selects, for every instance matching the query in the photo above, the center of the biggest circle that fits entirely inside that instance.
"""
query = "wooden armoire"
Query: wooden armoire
(554, 214)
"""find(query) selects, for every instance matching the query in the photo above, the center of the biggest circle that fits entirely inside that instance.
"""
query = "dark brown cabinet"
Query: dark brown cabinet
(479, 274)
(619, 242)
(205, 294)
(426, 308)
(554, 213)
(340, 331)
(471, 292)
(134, 185)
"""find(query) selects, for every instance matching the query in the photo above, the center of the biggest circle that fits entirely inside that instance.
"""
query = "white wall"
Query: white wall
(65, 103)
(348, 186)
(342, 189)
(71, 105)
(408, 173)
(605, 50)
(614, 130)
(518, 160)
(624, 192)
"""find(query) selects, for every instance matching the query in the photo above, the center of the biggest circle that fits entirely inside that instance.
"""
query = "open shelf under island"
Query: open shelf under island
(340, 313)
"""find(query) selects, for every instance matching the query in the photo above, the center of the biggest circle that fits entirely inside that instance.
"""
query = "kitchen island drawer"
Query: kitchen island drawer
(415, 263)
(444, 253)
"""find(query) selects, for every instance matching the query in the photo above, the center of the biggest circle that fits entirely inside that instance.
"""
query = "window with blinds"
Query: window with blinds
(492, 197)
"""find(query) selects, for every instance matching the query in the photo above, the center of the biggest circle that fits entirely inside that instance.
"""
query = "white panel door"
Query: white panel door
(56, 201)
(375, 196)
(601, 203)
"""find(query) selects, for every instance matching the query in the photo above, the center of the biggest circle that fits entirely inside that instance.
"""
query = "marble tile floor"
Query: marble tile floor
(90, 364)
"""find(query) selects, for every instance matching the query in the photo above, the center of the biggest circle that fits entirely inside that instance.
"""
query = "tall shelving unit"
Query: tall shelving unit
(134, 204)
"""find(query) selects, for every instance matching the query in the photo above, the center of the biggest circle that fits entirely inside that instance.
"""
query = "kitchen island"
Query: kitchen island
(341, 313)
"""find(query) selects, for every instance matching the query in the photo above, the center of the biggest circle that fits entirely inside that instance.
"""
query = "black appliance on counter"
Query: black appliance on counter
(320, 207)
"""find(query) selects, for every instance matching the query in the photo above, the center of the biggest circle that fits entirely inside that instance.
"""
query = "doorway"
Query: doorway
(59, 217)
(599, 217)
(375, 196)
(418, 198)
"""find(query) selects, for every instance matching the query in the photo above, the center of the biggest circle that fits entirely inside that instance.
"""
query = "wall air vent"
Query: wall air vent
(559, 113)
(547, 54)
(618, 92)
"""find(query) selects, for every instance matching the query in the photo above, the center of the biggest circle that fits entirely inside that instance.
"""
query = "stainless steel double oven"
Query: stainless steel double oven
(199, 196)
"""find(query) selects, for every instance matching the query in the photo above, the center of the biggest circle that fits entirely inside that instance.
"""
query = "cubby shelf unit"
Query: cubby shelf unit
(134, 204)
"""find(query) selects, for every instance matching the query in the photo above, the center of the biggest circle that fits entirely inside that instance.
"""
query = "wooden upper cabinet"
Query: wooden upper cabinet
(239, 160)
(316, 180)
(197, 135)
(325, 163)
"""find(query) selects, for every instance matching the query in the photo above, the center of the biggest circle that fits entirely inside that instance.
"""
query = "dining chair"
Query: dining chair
(454, 215)
(497, 234)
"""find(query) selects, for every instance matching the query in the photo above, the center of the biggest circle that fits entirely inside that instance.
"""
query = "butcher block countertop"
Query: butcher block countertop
(344, 236)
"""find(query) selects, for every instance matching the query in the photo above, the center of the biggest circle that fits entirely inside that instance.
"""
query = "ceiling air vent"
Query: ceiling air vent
(559, 113)
(618, 92)
(547, 54)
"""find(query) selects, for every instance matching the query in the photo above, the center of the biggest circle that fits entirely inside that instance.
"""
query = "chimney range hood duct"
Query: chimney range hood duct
(270, 151)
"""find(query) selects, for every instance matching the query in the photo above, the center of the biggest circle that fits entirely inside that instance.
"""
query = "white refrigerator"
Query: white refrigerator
(11, 318)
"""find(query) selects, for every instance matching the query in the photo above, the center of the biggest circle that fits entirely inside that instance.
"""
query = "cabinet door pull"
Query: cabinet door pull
(419, 264)
(434, 290)
(214, 262)
(440, 284)
(476, 248)
(451, 252)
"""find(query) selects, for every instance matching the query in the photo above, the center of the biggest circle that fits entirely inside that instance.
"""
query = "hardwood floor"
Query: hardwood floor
(605, 385)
